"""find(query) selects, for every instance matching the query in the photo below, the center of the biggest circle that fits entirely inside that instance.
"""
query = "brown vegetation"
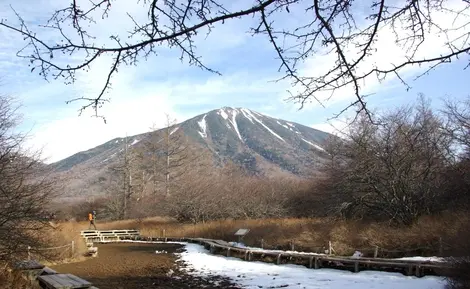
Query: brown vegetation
(428, 236)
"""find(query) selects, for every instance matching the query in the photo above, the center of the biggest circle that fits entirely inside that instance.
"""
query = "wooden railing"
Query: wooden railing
(418, 268)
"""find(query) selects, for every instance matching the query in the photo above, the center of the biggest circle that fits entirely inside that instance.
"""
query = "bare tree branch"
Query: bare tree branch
(333, 27)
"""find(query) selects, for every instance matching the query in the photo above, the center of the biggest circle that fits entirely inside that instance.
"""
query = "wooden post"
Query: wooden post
(29, 252)
(228, 252)
(163, 233)
(310, 262)
(356, 267)
(376, 251)
(292, 246)
(317, 263)
(410, 270)
(418, 271)
(278, 261)
(262, 243)
(440, 246)
(73, 248)
(329, 247)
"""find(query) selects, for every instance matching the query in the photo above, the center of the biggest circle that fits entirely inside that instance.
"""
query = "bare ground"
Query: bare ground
(132, 266)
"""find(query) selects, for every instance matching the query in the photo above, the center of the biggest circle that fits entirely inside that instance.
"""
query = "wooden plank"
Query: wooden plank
(63, 281)
(28, 265)
(79, 281)
(49, 283)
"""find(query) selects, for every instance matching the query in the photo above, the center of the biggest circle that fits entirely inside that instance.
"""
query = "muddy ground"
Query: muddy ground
(132, 266)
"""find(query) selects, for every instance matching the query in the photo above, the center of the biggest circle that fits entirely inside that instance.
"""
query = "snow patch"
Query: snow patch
(314, 145)
(161, 252)
(135, 141)
(223, 113)
(290, 124)
(174, 130)
(264, 275)
(272, 132)
(283, 125)
(233, 121)
(246, 114)
(203, 126)
(423, 259)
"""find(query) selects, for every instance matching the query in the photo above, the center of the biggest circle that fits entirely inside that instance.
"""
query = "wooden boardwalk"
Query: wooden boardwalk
(312, 260)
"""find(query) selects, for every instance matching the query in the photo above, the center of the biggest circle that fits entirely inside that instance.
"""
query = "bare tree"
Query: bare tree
(170, 155)
(394, 169)
(25, 192)
(458, 126)
(348, 30)
(123, 190)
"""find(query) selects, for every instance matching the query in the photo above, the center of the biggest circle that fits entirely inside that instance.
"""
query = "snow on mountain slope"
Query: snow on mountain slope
(252, 139)
(203, 126)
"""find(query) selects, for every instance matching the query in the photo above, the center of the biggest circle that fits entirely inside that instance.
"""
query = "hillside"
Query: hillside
(262, 145)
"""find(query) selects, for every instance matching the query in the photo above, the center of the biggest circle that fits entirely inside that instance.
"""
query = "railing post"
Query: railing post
(73, 248)
(376, 251)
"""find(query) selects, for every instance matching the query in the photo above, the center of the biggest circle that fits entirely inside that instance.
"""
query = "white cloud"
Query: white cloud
(64, 137)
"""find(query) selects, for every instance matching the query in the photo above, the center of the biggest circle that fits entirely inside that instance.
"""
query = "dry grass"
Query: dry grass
(13, 280)
(424, 237)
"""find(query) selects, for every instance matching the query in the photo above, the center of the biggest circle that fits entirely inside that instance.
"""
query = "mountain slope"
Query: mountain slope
(241, 135)
(262, 145)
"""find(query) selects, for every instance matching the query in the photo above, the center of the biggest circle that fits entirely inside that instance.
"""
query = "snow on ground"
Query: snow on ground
(264, 275)
(424, 259)
(415, 258)
(240, 245)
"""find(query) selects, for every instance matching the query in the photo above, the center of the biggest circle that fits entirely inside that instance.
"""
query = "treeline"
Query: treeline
(389, 165)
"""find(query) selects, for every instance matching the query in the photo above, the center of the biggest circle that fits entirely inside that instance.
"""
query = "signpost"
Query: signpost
(241, 233)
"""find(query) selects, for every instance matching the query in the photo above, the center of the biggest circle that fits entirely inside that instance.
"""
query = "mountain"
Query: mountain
(252, 139)
(261, 144)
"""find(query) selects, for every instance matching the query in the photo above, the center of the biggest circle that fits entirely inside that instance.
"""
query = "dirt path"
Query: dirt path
(132, 266)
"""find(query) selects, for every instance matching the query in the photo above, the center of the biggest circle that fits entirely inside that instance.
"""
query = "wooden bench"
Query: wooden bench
(63, 281)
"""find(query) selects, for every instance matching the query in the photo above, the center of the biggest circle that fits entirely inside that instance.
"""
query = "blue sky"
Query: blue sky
(142, 95)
